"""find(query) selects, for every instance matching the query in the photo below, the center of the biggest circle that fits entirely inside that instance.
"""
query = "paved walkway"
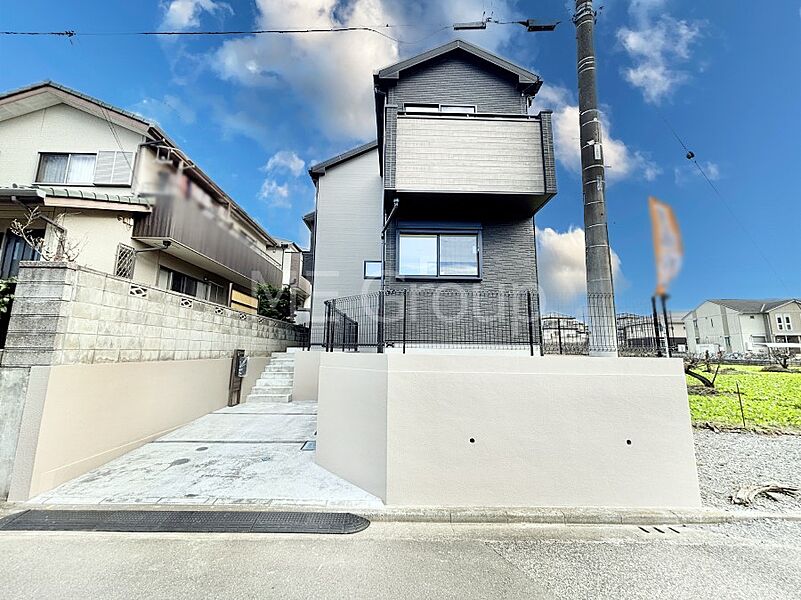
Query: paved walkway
(251, 453)
(410, 561)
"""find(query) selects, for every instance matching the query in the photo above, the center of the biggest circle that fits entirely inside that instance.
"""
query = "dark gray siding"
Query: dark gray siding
(450, 80)
(509, 265)
(508, 255)
(549, 162)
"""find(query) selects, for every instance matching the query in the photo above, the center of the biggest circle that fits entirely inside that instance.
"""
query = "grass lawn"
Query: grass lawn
(770, 400)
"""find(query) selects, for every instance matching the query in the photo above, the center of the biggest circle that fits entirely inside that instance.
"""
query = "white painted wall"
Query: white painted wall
(59, 128)
(348, 230)
(550, 431)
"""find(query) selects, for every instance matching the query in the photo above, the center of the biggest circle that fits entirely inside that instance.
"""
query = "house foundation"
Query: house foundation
(446, 430)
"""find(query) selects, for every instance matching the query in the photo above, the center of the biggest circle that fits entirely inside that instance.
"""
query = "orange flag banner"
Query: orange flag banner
(668, 248)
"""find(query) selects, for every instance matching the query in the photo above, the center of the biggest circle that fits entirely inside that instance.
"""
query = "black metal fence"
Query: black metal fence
(406, 319)
(433, 318)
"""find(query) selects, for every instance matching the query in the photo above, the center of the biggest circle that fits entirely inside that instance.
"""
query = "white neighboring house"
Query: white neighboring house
(120, 187)
(743, 326)
(291, 257)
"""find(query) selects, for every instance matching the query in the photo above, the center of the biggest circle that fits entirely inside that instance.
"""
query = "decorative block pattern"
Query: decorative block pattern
(65, 314)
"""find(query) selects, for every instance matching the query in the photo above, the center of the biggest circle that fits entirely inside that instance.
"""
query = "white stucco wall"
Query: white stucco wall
(347, 230)
(59, 128)
(307, 376)
(548, 431)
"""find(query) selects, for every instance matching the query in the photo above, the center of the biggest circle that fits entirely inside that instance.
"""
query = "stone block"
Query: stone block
(77, 325)
(89, 279)
(130, 355)
(107, 356)
(36, 324)
(89, 295)
(26, 358)
(73, 357)
(118, 286)
(37, 306)
(40, 341)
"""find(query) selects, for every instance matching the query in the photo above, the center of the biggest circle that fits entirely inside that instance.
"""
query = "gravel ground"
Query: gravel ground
(729, 461)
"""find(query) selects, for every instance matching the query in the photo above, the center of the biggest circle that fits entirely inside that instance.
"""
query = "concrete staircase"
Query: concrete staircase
(275, 382)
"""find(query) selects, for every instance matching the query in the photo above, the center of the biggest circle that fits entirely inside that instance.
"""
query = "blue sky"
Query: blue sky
(255, 112)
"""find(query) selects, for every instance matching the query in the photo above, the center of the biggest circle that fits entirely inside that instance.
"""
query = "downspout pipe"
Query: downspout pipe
(388, 220)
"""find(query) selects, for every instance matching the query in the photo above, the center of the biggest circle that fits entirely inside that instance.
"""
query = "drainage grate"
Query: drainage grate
(190, 521)
(310, 445)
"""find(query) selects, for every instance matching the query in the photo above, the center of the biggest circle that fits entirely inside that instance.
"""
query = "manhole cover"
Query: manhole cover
(190, 521)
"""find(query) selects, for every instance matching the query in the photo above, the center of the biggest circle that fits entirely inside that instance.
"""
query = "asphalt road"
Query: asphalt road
(431, 561)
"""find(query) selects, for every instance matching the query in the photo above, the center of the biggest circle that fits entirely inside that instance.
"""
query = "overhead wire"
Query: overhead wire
(690, 155)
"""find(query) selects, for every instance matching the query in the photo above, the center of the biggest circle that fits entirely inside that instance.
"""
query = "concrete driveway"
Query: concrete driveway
(410, 561)
(251, 453)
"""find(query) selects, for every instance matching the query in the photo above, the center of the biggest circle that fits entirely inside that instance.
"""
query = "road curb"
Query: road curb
(469, 515)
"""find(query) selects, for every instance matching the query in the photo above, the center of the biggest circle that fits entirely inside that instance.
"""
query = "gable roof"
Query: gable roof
(45, 94)
(753, 306)
(524, 76)
(317, 170)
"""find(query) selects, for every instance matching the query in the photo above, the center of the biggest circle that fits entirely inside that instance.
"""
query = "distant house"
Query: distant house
(743, 325)
(130, 201)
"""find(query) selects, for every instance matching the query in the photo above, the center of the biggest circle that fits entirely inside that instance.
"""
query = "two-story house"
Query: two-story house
(125, 199)
(743, 326)
(444, 199)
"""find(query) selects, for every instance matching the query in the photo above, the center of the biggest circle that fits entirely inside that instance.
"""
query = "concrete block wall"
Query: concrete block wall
(66, 314)
(73, 324)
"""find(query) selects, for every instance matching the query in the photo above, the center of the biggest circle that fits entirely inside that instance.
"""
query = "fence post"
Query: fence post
(344, 330)
(530, 324)
(405, 313)
(657, 337)
(326, 328)
(559, 332)
(381, 322)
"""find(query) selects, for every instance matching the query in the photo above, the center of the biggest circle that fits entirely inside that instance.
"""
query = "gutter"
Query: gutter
(395, 203)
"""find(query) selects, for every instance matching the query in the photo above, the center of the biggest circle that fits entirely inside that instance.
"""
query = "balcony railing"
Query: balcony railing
(502, 154)
(196, 227)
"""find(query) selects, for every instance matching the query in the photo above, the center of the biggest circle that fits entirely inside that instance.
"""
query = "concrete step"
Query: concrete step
(282, 381)
(276, 377)
(272, 389)
(259, 397)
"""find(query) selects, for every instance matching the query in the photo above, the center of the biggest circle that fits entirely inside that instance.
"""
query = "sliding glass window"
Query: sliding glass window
(439, 255)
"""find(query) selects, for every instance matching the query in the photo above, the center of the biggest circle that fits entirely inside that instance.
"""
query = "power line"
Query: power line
(71, 33)
(691, 157)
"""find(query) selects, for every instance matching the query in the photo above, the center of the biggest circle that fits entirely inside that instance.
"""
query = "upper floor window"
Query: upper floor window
(783, 322)
(458, 109)
(439, 254)
(104, 168)
(66, 168)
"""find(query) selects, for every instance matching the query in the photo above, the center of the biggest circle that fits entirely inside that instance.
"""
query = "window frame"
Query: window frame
(439, 230)
(380, 266)
(69, 156)
(409, 108)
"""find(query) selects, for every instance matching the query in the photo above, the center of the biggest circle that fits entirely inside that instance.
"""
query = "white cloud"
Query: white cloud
(684, 173)
(277, 196)
(185, 14)
(332, 72)
(285, 160)
(164, 109)
(621, 161)
(561, 267)
(657, 46)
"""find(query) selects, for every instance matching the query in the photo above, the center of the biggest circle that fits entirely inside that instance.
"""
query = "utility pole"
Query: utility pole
(600, 291)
